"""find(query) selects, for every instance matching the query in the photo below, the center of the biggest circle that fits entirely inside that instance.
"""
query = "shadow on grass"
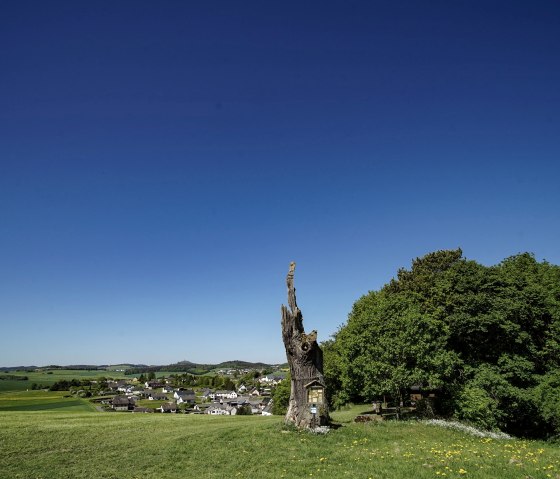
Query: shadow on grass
(43, 407)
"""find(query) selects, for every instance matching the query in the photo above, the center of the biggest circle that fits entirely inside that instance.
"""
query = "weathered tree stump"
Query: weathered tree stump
(308, 400)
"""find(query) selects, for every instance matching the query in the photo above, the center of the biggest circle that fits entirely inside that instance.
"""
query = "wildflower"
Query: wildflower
(462, 471)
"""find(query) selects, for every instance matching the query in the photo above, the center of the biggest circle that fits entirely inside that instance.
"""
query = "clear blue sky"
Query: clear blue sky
(161, 163)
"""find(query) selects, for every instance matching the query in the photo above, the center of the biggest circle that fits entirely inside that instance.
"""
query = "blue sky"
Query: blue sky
(162, 163)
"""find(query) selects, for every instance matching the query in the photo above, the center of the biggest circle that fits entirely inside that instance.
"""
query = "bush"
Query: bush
(281, 396)
(244, 411)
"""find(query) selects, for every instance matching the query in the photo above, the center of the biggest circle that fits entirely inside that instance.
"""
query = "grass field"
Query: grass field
(47, 378)
(56, 444)
(42, 401)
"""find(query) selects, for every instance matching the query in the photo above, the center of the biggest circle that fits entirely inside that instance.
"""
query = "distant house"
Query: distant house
(157, 397)
(168, 407)
(194, 409)
(207, 393)
(122, 403)
(153, 384)
(142, 409)
(112, 385)
(267, 411)
(221, 394)
(245, 401)
(122, 386)
(255, 392)
(271, 380)
(218, 409)
(185, 397)
(242, 389)
(255, 407)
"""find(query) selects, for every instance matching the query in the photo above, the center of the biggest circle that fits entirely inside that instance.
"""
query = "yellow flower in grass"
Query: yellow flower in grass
(462, 471)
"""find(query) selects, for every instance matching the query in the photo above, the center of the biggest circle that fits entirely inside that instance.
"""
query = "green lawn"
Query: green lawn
(54, 444)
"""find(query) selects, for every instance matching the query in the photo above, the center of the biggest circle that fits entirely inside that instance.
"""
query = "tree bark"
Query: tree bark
(305, 359)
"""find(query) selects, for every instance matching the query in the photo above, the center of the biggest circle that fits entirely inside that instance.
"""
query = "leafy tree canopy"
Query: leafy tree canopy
(486, 338)
(281, 396)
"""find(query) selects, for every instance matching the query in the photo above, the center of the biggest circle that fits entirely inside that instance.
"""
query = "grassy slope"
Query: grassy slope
(57, 444)
(42, 401)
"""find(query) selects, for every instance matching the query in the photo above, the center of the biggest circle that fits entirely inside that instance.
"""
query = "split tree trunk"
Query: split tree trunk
(305, 358)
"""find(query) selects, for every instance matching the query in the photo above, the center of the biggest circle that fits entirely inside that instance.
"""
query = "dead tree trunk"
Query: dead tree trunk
(308, 402)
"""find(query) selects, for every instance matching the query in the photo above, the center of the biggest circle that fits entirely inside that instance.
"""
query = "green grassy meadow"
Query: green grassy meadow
(42, 401)
(49, 377)
(74, 443)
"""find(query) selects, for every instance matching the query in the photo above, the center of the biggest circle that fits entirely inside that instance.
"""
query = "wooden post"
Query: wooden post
(308, 405)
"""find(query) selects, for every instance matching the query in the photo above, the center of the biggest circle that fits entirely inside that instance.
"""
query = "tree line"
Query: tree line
(484, 339)
(13, 377)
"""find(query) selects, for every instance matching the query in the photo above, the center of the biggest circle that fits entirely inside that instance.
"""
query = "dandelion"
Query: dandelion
(462, 471)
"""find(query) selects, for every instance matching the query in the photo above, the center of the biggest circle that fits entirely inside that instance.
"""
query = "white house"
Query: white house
(221, 410)
(271, 380)
(224, 395)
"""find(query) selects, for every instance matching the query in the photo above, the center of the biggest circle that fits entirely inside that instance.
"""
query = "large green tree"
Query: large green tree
(487, 338)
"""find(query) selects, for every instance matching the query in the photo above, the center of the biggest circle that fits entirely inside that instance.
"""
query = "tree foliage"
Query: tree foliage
(244, 411)
(281, 396)
(487, 338)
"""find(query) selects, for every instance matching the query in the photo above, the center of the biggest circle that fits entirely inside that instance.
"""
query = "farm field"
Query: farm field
(49, 377)
(42, 401)
(57, 444)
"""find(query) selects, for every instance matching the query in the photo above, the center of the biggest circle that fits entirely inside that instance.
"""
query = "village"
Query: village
(161, 395)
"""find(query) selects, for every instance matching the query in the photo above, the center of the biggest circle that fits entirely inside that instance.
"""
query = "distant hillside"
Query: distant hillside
(242, 365)
(181, 366)
(18, 368)
(197, 368)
